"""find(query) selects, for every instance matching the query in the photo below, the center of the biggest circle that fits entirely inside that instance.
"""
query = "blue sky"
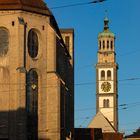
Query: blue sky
(87, 21)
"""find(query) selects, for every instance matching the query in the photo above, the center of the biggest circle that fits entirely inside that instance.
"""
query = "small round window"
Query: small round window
(4, 41)
(32, 43)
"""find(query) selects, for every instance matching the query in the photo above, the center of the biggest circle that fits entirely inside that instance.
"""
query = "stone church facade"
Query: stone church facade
(36, 73)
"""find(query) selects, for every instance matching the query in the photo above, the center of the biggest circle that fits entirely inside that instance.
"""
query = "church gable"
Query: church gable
(99, 121)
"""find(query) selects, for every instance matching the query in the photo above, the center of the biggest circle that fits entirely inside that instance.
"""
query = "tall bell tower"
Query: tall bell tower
(106, 76)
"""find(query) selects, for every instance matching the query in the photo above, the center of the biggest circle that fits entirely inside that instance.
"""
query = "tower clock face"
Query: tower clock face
(106, 86)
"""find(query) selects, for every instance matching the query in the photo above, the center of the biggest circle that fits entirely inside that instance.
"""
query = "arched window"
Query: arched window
(4, 41)
(111, 45)
(102, 75)
(107, 44)
(32, 43)
(32, 103)
(108, 75)
(106, 103)
(103, 44)
(100, 44)
(4, 99)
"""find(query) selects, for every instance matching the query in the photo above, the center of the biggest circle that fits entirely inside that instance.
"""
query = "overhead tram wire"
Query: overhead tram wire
(78, 4)
(76, 84)
(123, 107)
(88, 117)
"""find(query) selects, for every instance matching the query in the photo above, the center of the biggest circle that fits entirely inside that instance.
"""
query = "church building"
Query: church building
(36, 73)
(106, 83)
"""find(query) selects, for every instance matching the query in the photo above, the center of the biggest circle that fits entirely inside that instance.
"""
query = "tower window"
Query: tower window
(4, 41)
(102, 75)
(100, 44)
(111, 45)
(67, 41)
(32, 43)
(108, 75)
(103, 44)
(107, 44)
(106, 103)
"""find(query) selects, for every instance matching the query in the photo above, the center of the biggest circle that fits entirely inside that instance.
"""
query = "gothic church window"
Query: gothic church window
(4, 41)
(32, 43)
(32, 103)
(4, 101)
(108, 75)
(102, 75)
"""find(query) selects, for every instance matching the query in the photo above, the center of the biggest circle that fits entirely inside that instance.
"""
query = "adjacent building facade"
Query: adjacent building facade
(36, 73)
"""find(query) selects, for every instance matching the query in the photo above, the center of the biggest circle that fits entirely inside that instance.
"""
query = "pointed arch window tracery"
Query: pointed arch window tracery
(4, 41)
(33, 43)
(32, 104)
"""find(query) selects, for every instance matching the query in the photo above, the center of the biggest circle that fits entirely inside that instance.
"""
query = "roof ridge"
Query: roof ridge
(110, 124)
(37, 6)
(108, 121)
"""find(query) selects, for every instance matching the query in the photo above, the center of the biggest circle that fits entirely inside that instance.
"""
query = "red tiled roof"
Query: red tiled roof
(37, 6)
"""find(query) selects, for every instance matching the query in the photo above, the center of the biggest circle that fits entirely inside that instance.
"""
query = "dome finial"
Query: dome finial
(106, 21)
(106, 13)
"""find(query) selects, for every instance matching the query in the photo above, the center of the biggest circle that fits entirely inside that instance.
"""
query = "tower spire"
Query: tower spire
(106, 21)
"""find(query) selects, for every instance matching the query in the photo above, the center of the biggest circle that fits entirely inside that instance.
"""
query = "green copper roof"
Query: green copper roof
(106, 19)
(106, 33)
